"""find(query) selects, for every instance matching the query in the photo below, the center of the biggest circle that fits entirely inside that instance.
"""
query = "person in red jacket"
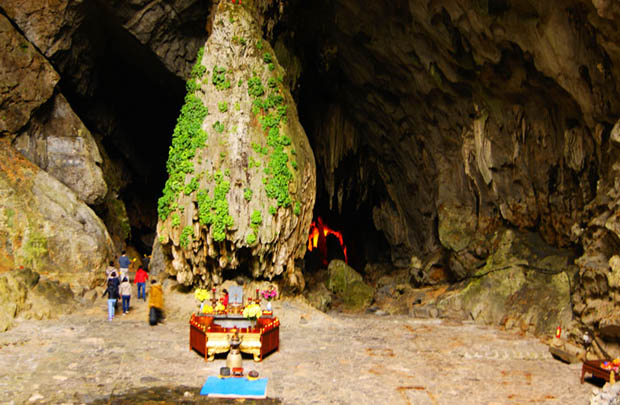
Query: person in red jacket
(140, 280)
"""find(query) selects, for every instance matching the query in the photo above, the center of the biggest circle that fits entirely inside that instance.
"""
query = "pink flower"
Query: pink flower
(269, 294)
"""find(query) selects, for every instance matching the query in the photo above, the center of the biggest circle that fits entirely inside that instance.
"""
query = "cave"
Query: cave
(133, 102)
(443, 141)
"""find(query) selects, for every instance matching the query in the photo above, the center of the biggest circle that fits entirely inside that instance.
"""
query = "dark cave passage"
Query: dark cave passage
(132, 107)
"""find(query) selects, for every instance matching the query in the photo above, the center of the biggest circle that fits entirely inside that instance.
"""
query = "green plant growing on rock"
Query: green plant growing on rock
(218, 126)
(35, 248)
(186, 234)
(252, 163)
(176, 220)
(272, 210)
(186, 138)
(191, 186)
(218, 78)
(214, 211)
(250, 238)
(256, 218)
(271, 112)
(222, 106)
(297, 208)
(255, 87)
(259, 44)
(247, 194)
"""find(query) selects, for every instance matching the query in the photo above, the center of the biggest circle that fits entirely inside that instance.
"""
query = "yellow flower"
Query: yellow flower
(220, 307)
(252, 311)
(207, 309)
(201, 294)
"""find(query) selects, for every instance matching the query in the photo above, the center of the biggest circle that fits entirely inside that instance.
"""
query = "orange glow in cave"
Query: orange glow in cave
(317, 239)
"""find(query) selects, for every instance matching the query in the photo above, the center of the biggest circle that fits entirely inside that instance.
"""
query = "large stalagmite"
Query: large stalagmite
(241, 184)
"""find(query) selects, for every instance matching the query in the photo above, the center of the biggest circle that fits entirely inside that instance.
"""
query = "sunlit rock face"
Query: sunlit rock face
(45, 226)
(242, 175)
(44, 220)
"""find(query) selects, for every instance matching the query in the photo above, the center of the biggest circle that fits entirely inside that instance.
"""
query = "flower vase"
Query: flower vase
(253, 322)
(269, 306)
(202, 304)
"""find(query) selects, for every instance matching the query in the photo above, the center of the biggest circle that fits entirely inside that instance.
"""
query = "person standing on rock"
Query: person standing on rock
(113, 295)
(140, 280)
(125, 291)
(156, 303)
(124, 262)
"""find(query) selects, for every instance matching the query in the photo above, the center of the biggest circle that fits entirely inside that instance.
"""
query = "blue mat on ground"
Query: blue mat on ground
(234, 387)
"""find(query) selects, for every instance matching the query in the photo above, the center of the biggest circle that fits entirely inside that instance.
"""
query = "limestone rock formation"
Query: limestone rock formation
(41, 123)
(242, 174)
(28, 79)
(23, 293)
(348, 284)
(59, 143)
(524, 284)
(596, 294)
(43, 225)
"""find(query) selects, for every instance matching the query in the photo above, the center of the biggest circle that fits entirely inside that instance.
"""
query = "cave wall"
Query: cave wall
(474, 117)
(454, 120)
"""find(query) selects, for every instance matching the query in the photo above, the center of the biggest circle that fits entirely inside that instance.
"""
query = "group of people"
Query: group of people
(119, 288)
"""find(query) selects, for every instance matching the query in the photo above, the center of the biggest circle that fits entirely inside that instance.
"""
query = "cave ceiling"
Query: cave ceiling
(437, 120)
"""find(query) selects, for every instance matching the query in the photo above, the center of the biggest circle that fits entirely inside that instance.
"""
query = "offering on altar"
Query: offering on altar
(269, 294)
(210, 335)
(611, 365)
(206, 309)
(252, 312)
(202, 296)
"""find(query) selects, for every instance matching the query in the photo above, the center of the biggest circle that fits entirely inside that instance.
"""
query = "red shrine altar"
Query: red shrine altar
(210, 334)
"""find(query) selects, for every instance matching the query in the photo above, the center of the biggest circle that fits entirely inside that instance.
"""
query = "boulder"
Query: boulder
(348, 285)
(25, 294)
(319, 297)
(525, 284)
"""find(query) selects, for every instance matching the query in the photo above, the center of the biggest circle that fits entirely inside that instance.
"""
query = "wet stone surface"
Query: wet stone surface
(323, 359)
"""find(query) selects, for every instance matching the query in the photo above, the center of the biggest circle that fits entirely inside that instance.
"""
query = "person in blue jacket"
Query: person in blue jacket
(123, 263)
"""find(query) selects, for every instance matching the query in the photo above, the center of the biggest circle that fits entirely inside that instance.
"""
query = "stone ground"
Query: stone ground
(323, 359)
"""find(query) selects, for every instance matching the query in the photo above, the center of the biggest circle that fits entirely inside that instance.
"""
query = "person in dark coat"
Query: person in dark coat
(113, 294)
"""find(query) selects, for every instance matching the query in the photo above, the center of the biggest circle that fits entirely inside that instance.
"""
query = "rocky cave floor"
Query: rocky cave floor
(330, 358)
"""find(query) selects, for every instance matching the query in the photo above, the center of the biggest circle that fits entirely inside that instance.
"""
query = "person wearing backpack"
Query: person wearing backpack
(113, 295)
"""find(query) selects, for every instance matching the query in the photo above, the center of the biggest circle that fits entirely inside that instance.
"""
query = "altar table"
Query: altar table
(594, 367)
(210, 335)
